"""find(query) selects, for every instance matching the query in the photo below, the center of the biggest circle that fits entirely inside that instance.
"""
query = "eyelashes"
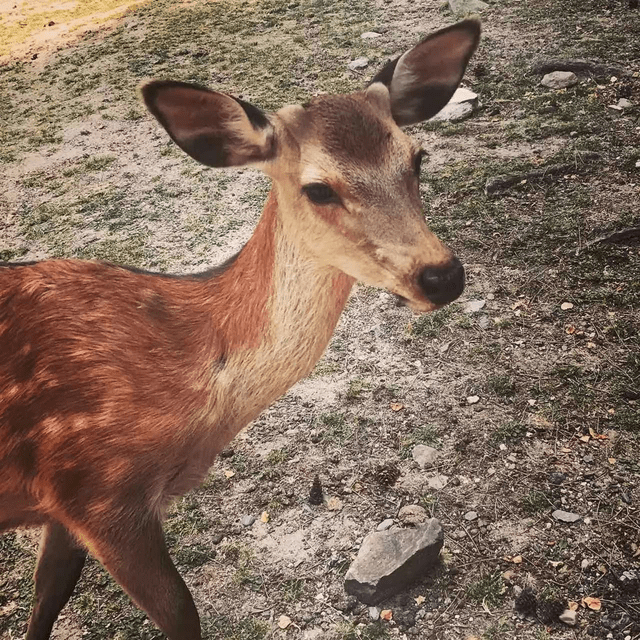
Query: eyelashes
(320, 193)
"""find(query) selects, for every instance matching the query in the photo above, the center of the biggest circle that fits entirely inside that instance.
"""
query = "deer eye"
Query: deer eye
(320, 193)
(417, 161)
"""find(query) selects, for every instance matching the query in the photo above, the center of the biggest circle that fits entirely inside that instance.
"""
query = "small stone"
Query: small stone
(565, 306)
(586, 563)
(463, 95)
(374, 613)
(453, 112)
(370, 35)
(247, 520)
(565, 516)
(557, 478)
(412, 514)
(626, 498)
(437, 482)
(217, 538)
(359, 63)
(385, 524)
(284, 621)
(624, 103)
(473, 399)
(424, 455)
(569, 617)
(559, 80)
(588, 459)
(470, 516)
(473, 306)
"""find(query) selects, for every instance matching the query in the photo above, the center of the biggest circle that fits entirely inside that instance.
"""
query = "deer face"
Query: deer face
(346, 177)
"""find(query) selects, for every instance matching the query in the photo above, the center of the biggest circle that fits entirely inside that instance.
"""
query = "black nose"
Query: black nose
(442, 284)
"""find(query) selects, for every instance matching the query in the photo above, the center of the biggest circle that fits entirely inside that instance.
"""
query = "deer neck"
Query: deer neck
(281, 307)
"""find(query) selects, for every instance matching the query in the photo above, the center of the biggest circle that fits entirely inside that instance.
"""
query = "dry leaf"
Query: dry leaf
(284, 622)
(539, 421)
(593, 603)
(229, 474)
(386, 614)
(396, 406)
(573, 606)
(566, 450)
(264, 517)
(570, 329)
(514, 559)
(598, 436)
(334, 504)
(612, 460)
(419, 600)
(585, 438)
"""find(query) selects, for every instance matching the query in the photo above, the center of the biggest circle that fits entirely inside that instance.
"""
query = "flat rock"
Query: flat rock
(359, 63)
(247, 521)
(454, 112)
(565, 516)
(385, 524)
(466, 7)
(471, 515)
(412, 514)
(424, 455)
(437, 482)
(463, 95)
(370, 35)
(473, 306)
(624, 103)
(569, 617)
(559, 80)
(389, 561)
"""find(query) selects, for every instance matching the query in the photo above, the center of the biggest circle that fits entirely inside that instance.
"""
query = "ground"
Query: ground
(552, 350)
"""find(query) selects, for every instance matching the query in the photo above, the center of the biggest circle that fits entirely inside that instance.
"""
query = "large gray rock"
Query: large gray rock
(389, 561)
(454, 112)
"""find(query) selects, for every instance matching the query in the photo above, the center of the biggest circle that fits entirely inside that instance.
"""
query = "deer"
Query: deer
(119, 386)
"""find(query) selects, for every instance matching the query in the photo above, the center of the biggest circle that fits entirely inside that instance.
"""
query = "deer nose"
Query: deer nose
(442, 284)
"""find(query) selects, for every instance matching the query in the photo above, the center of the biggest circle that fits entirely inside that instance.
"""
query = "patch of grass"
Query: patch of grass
(333, 427)
(193, 555)
(278, 456)
(355, 389)
(535, 502)
(489, 590)
(498, 630)
(226, 629)
(132, 250)
(512, 430)
(8, 255)
(186, 518)
(293, 589)
(430, 324)
(502, 385)
(425, 434)
(374, 631)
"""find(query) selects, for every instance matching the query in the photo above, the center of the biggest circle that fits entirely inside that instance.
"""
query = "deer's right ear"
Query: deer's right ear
(422, 81)
(214, 128)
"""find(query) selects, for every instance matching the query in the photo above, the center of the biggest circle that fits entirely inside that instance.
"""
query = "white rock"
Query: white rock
(385, 524)
(438, 482)
(424, 455)
(284, 621)
(374, 613)
(453, 112)
(359, 63)
(470, 516)
(463, 95)
(472, 306)
(565, 516)
(559, 80)
(624, 103)
(565, 306)
(370, 35)
(473, 399)
(569, 617)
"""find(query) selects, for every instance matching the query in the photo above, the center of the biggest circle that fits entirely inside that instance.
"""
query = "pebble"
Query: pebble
(247, 521)
(470, 515)
(453, 112)
(473, 399)
(385, 524)
(370, 35)
(559, 80)
(569, 617)
(374, 613)
(424, 455)
(472, 306)
(437, 482)
(557, 478)
(565, 516)
(565, 306)
(626, 498)
(359, 63)
(624, 103)
(588, 459)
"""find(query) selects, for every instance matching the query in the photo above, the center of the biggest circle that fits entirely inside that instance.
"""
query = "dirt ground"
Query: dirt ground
(528, 386)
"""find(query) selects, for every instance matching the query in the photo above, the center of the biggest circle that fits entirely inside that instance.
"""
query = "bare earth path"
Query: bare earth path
(550, 346)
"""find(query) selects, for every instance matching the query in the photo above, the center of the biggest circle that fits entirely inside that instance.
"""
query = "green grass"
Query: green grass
(489, 590)
(431, 324)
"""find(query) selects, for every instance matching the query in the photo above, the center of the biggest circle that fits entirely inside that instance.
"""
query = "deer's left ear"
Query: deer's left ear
(422, 80)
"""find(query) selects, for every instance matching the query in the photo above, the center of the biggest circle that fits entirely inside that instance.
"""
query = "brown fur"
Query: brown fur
(118, 387)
